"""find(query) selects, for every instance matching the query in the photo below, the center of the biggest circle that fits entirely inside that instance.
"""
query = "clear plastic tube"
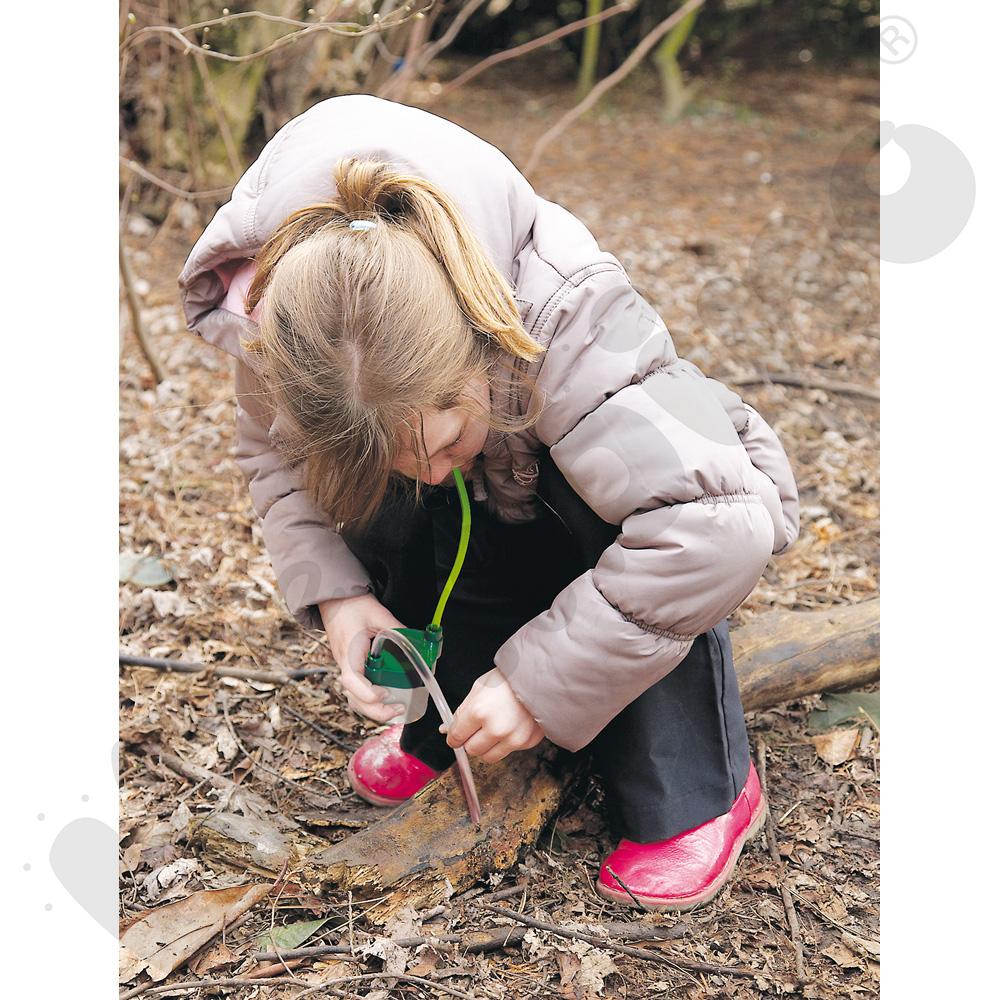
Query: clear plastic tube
(425, 673)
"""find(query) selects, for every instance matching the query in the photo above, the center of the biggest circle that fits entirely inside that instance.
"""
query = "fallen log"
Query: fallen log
(427, 849)
(783, 655)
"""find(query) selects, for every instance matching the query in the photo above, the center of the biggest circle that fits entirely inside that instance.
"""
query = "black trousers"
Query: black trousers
(674, 758)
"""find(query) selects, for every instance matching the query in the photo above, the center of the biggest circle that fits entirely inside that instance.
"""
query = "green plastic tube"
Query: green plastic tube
(463, 544)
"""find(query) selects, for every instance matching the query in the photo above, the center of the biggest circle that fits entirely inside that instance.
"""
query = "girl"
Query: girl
(400, 303)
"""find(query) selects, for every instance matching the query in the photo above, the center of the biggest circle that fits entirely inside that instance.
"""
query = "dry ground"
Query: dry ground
(762, 258)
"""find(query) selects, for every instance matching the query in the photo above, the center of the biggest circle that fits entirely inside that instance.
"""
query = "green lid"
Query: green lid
(391, 668)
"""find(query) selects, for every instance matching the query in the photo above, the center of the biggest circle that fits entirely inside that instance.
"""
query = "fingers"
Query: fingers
(353, 663)
(481, 742)
(364, 697)
(376, 710)
(355, 683)
(500, 750)
(491, 748)
(463, 725)
(351, 623)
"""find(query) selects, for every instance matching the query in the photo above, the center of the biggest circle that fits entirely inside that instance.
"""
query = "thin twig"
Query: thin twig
(274, 903)
(772, 847)
(198, 172)
(676, 962)
(243, 673)
(493, 943)
(614, 875)
(346, 28)
(318, 950)
(138, 327)
(535, 43)
(397, 977)
(479, 895)
(838, 805)
(412, 68)
(635, 57)
(152, 989)
(844, 832)
(125, 203)
(194, 772)
(361, 49)
(327, 734)
(821, 913)
(350, 920)
(808, 382)
(271, 971)
(145, 174)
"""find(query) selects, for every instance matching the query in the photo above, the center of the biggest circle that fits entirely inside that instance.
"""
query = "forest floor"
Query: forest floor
(752, 227)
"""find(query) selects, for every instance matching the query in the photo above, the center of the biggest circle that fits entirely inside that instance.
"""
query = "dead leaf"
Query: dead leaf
(761, 878)
(836, 746)
(404, 923)
(289, 936)
(769, 910)
(391, 953)
(569, 966)
(536, 946)
(863, 946)
(217, 955)
(161, 939)
(226, 744)
(595, 967)
(130, 858)
(144, 571)
(426, 962)
(842, 956)
(167, 875)
(181, 817)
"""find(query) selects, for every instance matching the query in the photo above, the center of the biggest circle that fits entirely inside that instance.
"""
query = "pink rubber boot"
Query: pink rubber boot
(382, 773)
(690, 868)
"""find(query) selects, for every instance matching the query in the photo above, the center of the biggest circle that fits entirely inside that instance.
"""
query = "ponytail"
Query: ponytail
(371, 189)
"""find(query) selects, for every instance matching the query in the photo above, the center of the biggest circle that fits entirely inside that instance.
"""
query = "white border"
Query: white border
(939, 387)
(58, 586)
(939, 374)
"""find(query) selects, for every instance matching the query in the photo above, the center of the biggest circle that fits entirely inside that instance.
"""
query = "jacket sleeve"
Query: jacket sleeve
(651, 445)
(777, 489)
(311, 562)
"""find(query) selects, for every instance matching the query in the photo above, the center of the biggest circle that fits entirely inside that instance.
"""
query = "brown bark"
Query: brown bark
(788, 654)
(425, 850)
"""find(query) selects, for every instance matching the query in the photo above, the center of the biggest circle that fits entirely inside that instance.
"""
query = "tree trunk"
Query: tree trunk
(427, 848)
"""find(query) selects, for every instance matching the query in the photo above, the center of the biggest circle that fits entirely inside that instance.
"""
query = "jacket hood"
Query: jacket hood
(295, 169)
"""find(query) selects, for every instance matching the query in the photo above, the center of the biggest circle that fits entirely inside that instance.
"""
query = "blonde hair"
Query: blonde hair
(359, 331)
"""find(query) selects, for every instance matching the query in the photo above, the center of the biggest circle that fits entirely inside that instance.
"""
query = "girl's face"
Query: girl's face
(452, 438)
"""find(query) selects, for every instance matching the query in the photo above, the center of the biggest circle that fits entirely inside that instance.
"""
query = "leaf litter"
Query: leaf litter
(751, 279)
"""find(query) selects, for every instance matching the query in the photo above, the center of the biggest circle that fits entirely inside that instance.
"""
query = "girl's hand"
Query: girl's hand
(351, 623)
(491, 722)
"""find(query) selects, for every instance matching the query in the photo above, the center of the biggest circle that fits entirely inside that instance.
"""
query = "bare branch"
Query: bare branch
(449, 36)
(635, 57)
(808, 381)
(139, 169)
(220, 116)
(344, 28)
(535, 43)
(132, 298)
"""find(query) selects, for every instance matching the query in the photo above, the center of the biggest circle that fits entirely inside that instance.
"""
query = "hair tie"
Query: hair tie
(359, 224)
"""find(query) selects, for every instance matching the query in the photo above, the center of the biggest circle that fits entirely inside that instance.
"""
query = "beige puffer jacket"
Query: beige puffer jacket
(697, 480)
